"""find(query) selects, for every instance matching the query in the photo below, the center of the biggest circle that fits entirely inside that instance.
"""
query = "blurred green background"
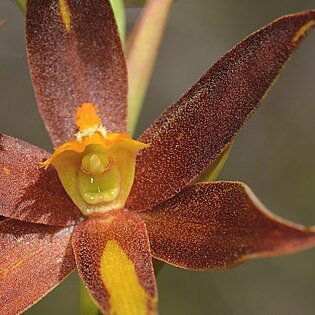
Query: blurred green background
(274, 154)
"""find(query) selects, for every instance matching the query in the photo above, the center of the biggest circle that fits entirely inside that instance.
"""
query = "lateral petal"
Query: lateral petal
(217, 225)
(195, 130)
(27, 191)
(34, 259)
(113, 258)
(75, 56)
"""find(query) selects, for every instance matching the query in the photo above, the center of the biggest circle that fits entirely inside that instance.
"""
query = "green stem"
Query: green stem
(120, 16)
(87, 305)
(22, 4)
(141, 51)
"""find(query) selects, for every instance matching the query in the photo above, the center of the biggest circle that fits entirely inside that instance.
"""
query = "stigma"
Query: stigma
(98, 179)
(96, 167)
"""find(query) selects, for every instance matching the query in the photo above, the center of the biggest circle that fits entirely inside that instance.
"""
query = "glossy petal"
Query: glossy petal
(217, 225)
(113, 258)
(34, 259)
(141, 50)
(75, 56)
(196, 129)
(28, 192)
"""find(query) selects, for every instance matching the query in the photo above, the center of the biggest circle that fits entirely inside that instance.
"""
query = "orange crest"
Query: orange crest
(86, 117)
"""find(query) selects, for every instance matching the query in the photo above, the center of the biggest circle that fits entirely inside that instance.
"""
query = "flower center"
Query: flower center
(97, 167)
(98, 179)
(95, 163)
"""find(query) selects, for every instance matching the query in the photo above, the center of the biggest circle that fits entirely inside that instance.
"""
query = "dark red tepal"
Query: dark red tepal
(75, 56)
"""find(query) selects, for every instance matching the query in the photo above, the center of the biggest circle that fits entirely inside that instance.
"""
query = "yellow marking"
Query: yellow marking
(6, 170)
(127, 296)
(303, 30)
(23, 260)
(65, 14)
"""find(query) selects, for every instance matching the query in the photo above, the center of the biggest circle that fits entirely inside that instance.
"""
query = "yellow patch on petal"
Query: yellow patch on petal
(127, 296)
(303, 30)
(96, 168)
(65, 14)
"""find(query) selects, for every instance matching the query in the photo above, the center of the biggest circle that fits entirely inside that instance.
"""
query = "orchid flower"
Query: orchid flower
(107, 204)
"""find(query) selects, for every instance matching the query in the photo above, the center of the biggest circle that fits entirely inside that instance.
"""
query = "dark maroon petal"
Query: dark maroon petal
(113, 258)
(217, 225)
(195, 130)
(76, 57)
(34, 259)
(28, 192)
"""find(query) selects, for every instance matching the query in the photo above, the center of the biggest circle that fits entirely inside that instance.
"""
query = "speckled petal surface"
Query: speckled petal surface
(196, 129)
(28, 192)
(34, 259)
(217, 225)
(75, 56)
(113, 258)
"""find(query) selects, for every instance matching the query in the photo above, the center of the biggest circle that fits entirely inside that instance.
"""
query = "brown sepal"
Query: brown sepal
(28, 192)
(34, 259)
(197, 128)
(217, 225)
(89, 241)
(73, 60)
